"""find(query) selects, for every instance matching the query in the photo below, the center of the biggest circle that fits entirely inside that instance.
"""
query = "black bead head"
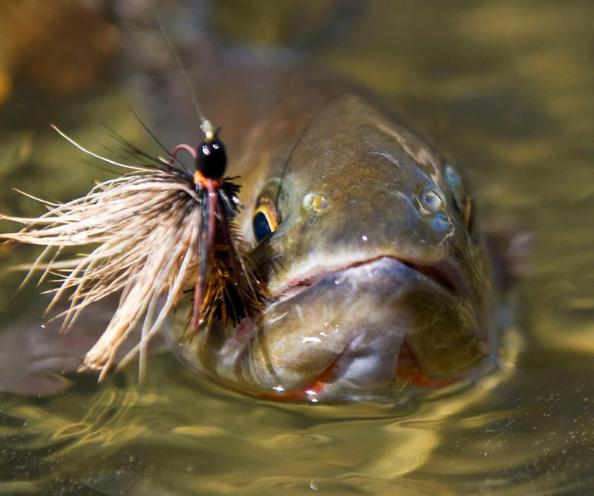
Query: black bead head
(211, 158)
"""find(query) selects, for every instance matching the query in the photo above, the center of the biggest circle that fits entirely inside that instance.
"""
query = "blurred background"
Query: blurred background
(504, 88)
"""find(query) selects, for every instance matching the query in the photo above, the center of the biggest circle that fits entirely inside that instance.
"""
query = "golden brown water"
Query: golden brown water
(506, 88)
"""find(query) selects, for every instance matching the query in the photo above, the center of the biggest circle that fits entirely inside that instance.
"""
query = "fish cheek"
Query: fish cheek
(443, 336)
(300, 235)
(295, 348)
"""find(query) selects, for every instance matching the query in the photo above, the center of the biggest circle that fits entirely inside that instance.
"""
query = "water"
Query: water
(506, 89)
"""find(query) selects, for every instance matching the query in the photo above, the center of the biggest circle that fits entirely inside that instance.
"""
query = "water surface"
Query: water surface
(506, 89)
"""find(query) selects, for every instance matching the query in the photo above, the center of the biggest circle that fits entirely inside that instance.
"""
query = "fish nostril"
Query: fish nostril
(430, 202)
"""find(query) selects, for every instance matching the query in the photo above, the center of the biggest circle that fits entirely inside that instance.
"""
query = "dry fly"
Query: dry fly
(154, 232)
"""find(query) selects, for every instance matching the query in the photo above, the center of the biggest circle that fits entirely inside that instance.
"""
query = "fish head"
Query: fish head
(377, 277)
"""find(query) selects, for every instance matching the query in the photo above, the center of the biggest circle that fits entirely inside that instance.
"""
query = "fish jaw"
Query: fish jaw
(364, 331)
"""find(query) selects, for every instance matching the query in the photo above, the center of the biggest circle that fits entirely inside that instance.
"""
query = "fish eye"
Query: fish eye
(462, 201)
(265, 219)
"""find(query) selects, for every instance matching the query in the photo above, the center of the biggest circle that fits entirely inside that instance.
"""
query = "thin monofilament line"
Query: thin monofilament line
(205, 125)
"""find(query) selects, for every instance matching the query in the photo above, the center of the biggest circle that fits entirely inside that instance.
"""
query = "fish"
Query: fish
(379, 280)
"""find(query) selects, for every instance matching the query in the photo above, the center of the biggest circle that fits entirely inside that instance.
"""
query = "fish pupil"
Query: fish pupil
(211, 159)
(262, 228)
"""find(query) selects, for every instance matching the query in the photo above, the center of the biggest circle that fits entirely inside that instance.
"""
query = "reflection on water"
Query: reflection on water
(507, 90)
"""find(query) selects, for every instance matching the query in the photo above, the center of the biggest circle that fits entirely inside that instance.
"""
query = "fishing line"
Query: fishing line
(205, 124)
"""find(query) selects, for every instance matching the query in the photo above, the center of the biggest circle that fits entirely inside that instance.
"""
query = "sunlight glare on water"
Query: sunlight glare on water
(506, 89)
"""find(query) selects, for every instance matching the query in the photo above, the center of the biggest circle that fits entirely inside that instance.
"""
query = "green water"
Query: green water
(506, 89)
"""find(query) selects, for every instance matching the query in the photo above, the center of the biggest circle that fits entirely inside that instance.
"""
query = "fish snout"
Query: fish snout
(366, 331)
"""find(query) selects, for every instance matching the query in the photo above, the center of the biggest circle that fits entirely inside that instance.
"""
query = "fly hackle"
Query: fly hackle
(226, 288)
(150, 235)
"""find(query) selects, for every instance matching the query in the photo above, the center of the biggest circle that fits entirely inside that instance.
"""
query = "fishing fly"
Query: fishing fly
(156, 232)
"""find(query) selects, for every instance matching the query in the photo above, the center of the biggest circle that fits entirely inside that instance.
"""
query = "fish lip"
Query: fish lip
(444, 273)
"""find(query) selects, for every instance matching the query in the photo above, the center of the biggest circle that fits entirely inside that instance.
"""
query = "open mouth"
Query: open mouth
(444, 274)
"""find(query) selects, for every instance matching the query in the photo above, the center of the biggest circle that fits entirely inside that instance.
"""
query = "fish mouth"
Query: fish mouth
(443, 273)
(399, 321)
